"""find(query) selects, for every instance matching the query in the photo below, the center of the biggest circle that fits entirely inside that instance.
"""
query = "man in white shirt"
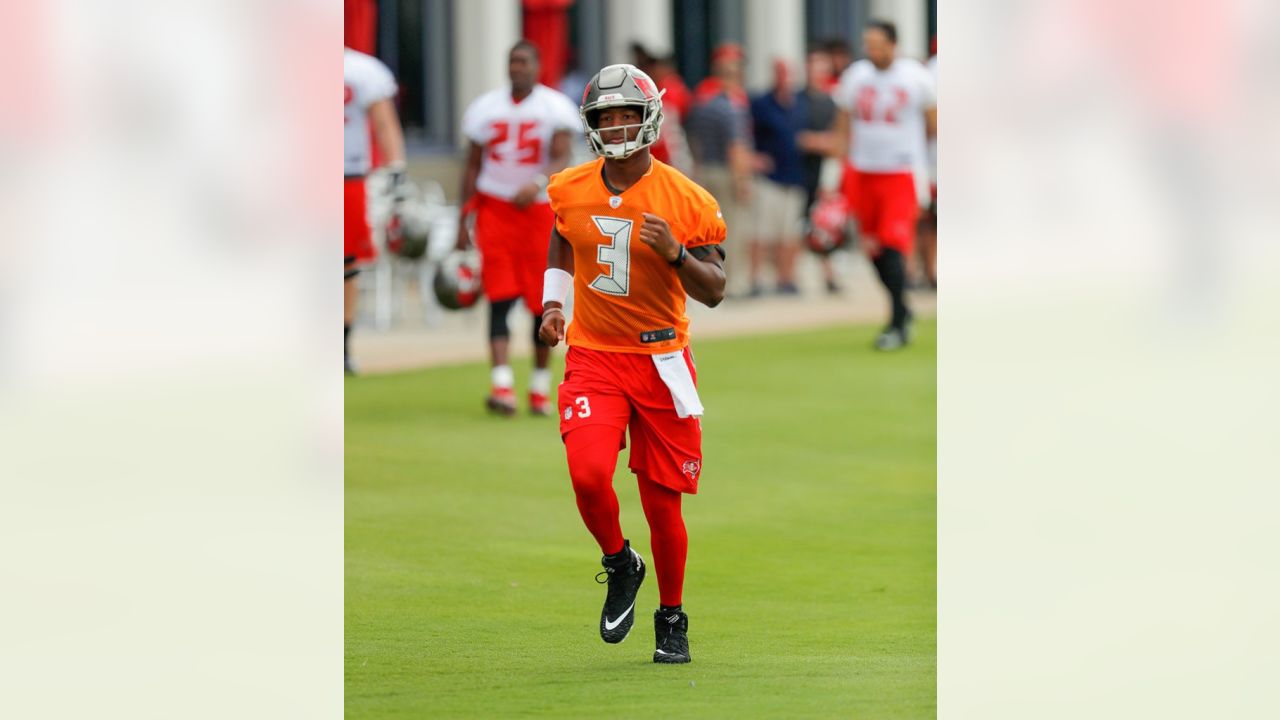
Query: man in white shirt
(887, 108)
(369, 89)
(519, 136)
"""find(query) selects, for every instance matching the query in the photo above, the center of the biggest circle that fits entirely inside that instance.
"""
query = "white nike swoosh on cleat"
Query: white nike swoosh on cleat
(611, 625)
(662, 652)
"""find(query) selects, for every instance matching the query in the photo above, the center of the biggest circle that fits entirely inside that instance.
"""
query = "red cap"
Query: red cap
(727, 51)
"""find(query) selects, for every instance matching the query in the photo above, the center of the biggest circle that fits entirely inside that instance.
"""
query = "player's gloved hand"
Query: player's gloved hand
(656, 233)
(551, 331)
(396, 187)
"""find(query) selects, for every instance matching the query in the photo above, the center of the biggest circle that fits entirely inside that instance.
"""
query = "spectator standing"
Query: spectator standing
(816, 140)
(719, 131)
(841, 54)
(779, 203)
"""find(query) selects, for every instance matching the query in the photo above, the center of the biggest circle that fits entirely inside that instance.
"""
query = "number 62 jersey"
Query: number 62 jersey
(887, 109)
(627, 298)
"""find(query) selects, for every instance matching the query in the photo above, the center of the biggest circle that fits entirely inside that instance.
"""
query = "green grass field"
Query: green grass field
(811, 588)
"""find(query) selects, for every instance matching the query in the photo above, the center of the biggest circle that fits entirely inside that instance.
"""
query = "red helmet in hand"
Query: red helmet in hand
(457, 281)
(828, 224)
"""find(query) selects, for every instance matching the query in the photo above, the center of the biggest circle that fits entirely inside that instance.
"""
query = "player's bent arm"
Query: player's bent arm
(558, 160)
(387, 132)
(700, 270)
(560, 152)
(559, 253)
(556, 284)
(931, 121)
(840, 139)
(702, 274)
(471, 171)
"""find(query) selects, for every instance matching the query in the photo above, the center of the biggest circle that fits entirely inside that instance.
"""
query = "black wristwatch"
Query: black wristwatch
(679, 258)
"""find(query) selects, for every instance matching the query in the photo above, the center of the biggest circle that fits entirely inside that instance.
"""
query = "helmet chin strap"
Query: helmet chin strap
(628, 147)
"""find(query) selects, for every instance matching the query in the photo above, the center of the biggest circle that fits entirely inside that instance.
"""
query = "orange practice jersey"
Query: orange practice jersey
(627, 298)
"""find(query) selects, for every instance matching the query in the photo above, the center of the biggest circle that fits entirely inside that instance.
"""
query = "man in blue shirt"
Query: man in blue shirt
(780, 205)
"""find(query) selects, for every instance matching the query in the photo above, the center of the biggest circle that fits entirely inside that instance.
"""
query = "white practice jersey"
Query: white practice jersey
(887, 112)
(517, 136)
(367, 81)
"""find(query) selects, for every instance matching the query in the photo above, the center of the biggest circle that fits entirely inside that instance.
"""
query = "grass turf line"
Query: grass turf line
(811, 575)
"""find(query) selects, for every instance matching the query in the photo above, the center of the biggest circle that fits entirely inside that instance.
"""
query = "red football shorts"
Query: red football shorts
(623, 390)
(885, 205)
(358, 241)
(513, 249)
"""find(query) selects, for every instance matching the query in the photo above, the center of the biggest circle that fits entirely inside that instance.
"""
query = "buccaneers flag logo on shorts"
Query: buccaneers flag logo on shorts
(691, 468)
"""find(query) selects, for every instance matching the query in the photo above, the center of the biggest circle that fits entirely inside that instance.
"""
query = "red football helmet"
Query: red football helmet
(409, 228)
(457, 281)
(828, 223)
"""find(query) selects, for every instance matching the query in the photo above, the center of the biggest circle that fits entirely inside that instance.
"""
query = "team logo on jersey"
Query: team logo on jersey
(691, 468)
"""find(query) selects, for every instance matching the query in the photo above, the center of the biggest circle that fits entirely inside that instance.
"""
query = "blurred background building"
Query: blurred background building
(446, 53)
(430, 46)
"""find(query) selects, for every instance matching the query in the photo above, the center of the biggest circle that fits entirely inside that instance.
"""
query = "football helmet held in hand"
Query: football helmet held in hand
(828, 226)
(409, 228)
(457, 281)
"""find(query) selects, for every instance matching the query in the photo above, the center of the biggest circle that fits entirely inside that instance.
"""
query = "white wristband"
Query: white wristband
(555, 286)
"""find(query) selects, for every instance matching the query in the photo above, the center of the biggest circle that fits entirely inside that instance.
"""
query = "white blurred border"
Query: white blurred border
(170, 399)
(1107, 349)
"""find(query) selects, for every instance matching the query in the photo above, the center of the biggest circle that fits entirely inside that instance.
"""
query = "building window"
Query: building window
(700, 26)
(824, 19)
(415, 41)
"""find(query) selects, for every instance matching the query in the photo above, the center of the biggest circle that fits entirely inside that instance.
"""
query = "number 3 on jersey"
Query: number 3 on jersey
(617, 255)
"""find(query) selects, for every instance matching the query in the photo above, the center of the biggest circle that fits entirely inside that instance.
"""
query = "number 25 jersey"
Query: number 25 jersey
(627, 298)
(516, 136)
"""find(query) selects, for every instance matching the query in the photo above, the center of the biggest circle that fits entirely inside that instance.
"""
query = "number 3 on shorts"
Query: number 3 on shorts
(584, 406)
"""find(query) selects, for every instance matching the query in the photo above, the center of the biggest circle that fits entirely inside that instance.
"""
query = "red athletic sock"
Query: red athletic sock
(593, 455)
(667, 536)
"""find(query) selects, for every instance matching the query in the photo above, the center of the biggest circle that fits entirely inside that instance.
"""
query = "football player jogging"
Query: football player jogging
(519, 135)
(632, 237)
(369, 88)
(887, 105)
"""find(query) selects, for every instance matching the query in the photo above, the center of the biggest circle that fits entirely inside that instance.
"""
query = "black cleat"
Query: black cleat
(624, 575)
(672, 630)
(891, 339)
